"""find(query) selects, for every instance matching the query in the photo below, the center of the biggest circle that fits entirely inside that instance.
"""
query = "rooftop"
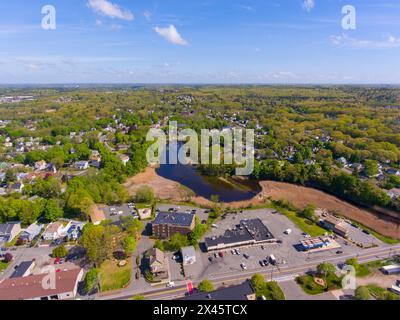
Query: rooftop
(179, 219)
(21, 269)
(247, 230)
(6, 228)
(31, 287)
(239, 292)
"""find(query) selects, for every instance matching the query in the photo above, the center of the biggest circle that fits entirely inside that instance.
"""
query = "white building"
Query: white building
(188, 255)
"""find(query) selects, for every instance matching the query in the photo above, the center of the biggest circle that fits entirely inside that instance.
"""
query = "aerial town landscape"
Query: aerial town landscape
(84, 214)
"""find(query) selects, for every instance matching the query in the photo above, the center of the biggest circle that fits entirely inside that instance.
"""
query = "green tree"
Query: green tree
(97, 243)
(59, 252)
(52, 211)
(326, 269)
(205, 286)
(371, 168)
(129, 244)
(309, 212)
(144, 194)
(91, 280)
(362, 293)
(257, 281)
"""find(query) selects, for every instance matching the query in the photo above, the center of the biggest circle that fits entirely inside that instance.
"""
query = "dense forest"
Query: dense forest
(341, 139)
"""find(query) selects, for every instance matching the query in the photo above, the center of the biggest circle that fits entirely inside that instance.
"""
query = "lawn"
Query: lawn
(381, 294)
(309, 286)
(13, 242)
(271, 291)
(365, 269)
(3, 266)
(305, 225)
(114, 277)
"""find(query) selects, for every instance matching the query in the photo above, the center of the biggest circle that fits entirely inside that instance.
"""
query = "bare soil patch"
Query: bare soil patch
(299, 196)
(302, 196)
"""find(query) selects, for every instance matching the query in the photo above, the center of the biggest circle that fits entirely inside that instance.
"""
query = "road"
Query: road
(284, 273)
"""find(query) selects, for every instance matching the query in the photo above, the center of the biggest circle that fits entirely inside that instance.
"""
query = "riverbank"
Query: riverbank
(299, 196)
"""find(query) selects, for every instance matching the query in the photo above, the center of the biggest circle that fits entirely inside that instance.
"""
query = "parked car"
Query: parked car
(211, 259)
(244, 267)
(261, 263)
(221, 254)
(170, 284)
(266, 263)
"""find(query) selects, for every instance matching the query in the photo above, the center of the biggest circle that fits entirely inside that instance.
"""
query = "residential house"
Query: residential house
(393, 193)
(97, 216)
(40, 165)
(17, 187)
(95, 160)
(124, 158)
(82, 165)
(31, 287)
(53, 231)
(31, 232)
(24, 269)
(51, 168)
(159, 265)
(8, 231)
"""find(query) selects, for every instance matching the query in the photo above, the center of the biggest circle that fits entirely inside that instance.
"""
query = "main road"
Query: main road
(278, 273)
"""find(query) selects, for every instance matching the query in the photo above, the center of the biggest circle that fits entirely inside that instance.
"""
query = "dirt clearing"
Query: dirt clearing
(300, 197)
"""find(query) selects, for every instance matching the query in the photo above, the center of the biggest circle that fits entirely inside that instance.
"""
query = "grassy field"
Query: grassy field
(13, 242)
(381, 294)
(3, 266)
(114, 277)
(305, 225)
(271, 291)
(310, 287)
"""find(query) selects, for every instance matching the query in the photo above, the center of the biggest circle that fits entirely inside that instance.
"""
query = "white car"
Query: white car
(244, 267)
(170, 284)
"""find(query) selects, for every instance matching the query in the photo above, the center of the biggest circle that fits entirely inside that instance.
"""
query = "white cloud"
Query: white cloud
(110, 9)
(171, 34)
(308, 5)
(148, 15)
(247, 8)
(346, 41)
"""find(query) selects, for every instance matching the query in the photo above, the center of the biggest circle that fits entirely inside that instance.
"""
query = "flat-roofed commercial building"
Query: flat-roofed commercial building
(391, 269)
(336, 225)
(315, 243)
(248, 232)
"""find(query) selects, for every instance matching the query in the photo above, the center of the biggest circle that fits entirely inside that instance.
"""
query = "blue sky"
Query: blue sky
(200, 41)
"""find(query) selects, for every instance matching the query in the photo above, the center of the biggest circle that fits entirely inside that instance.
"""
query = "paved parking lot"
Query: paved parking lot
(284, 252)
(115, 212)
(358, 236)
